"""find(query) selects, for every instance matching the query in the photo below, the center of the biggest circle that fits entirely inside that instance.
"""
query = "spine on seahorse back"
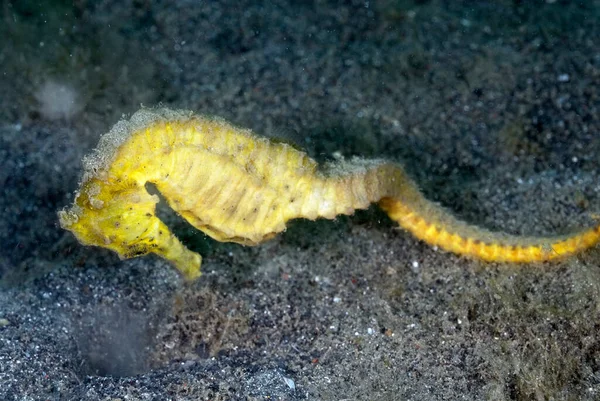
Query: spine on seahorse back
(356, 184)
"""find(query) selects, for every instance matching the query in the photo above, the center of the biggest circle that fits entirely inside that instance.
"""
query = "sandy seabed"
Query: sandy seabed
(494, 109)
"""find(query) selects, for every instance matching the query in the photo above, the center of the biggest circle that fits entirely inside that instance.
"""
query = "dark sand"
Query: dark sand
(492, 106)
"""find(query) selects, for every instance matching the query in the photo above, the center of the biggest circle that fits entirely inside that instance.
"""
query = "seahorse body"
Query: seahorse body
(238, 187)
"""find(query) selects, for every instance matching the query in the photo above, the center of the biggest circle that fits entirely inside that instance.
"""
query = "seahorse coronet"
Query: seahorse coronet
(239, 187)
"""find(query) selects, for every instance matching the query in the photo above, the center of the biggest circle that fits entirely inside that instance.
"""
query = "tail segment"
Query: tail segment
(358, 183)
(436, 226)
(455, 236)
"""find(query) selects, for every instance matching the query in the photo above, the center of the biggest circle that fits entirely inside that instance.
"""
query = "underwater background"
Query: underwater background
(493, 107)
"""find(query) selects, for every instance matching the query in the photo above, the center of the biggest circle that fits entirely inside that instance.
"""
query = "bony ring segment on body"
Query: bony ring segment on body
(238, 187)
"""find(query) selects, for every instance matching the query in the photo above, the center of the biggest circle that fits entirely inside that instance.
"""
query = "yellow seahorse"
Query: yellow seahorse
(238, 187)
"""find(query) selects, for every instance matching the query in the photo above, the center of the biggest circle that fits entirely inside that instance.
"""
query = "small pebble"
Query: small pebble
(290, 383)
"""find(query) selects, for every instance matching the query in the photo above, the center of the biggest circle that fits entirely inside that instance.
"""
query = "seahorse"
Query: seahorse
(238, 187)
